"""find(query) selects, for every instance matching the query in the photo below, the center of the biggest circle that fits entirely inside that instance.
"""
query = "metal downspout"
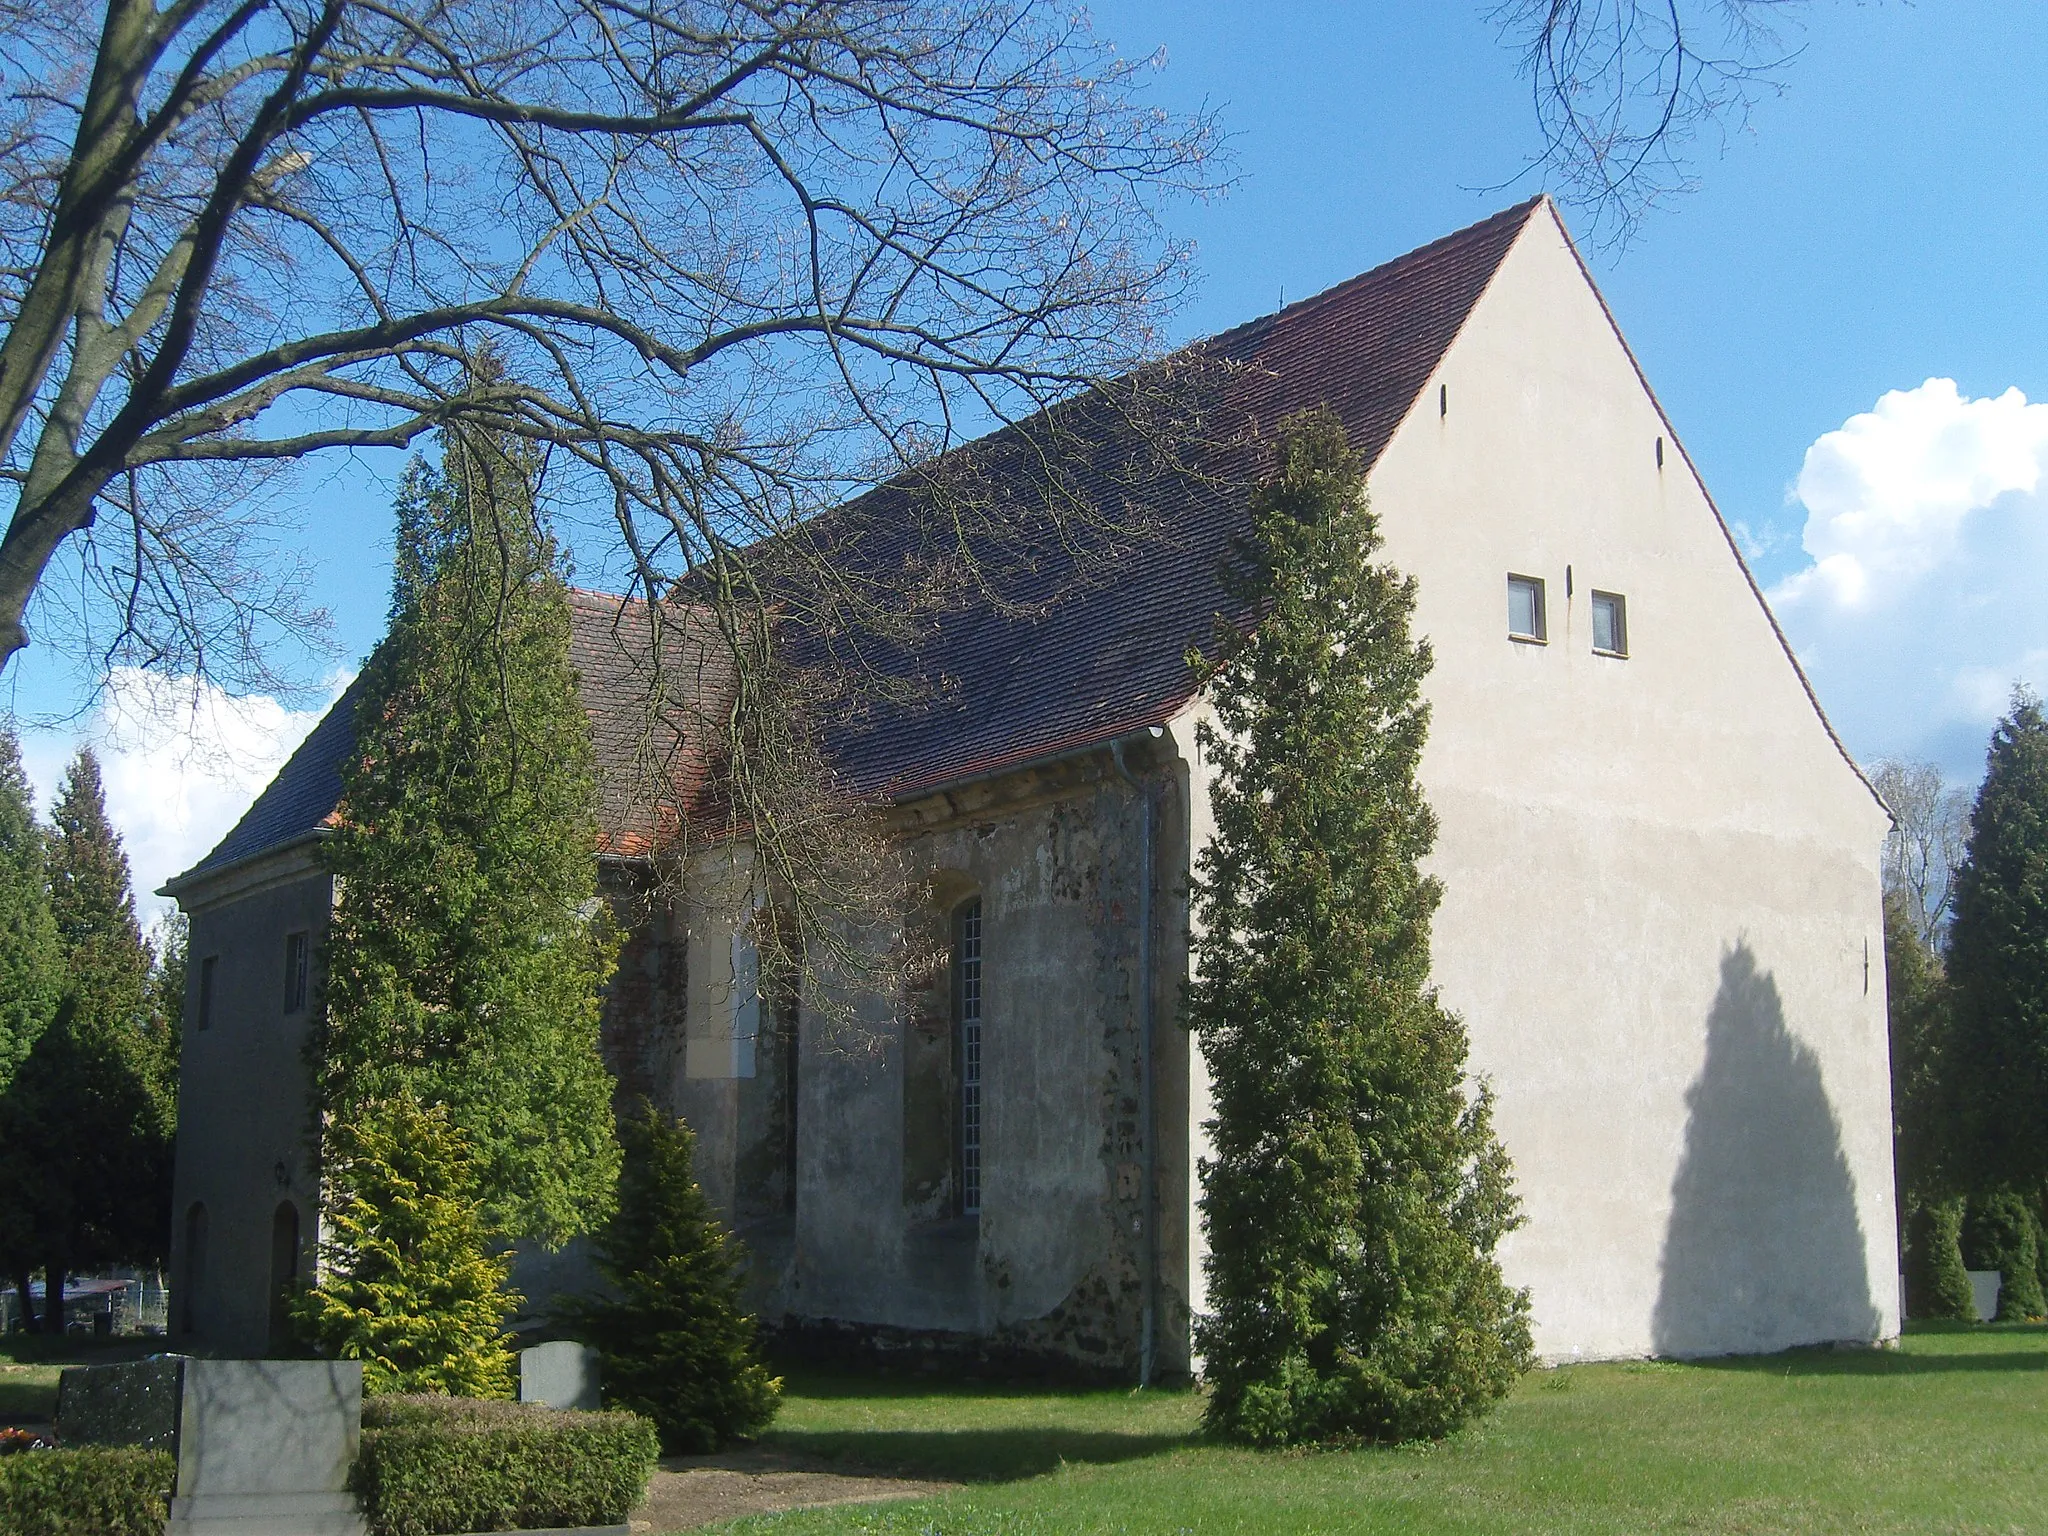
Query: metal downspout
(1148, 1197)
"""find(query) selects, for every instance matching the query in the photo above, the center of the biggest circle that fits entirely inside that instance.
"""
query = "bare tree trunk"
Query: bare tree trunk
(28, 1303)
(53, 1296)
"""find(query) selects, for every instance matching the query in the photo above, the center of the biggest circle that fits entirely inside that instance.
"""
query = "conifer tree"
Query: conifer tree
(464, 962)
(1937, 1280)
(31, 968)
(104, 954)
(89, 1119)
(676, 1343)
(168, 959)
(1918, 1016)
(1357, 1192)
(2001, 1232)
(2040, 1249)
(31, 981)
(410, 1283)
(1930, 1209)
(1997, 1074)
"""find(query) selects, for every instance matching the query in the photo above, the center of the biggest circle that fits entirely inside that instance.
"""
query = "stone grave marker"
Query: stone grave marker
(266, 1445)
(560, 1374)
(134, 1403)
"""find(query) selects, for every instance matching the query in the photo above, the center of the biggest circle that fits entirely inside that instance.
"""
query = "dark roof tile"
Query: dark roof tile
(1082, 659)
(640, 750)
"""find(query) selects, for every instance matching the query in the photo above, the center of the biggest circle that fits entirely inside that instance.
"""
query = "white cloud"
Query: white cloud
(181, 762)
(1927, 525)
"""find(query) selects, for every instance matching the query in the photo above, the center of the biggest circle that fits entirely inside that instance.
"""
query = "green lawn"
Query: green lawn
(1947, 1433)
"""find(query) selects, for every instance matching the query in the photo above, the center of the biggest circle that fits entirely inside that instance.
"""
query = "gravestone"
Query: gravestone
(135, 1403)
(1985, 1285)
(562, 1374)
(266, 1445)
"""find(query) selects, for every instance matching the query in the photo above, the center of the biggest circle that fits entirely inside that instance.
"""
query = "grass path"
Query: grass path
(1948, 1433)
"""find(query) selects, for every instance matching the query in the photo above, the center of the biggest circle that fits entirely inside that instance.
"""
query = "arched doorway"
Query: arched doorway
(284, 1270)
(195, 1267)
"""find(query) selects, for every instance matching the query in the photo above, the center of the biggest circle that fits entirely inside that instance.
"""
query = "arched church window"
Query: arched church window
(967, 1033)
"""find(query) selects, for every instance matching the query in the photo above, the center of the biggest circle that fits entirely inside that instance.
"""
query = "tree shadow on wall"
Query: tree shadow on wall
(1764, 1250)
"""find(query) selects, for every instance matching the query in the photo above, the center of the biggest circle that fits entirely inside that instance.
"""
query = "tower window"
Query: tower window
(297, 952)
(967, 1015)
(1525, 609)
(1610, 624)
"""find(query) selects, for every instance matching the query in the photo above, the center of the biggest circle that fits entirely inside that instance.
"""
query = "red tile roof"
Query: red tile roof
(649, 760)
(1063, 659)
(1071, 661)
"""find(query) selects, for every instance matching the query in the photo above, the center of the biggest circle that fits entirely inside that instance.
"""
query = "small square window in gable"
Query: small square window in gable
(1610, 624)
(1525, 609)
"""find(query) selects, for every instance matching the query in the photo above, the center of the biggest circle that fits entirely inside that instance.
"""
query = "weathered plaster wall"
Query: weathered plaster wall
(243, 1130)
(1661, 920)
(873, 1245)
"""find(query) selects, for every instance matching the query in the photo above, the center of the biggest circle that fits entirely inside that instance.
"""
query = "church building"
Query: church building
(1661, 921)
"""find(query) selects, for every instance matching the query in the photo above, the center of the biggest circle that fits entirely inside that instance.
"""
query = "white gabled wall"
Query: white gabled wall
(1661, 876)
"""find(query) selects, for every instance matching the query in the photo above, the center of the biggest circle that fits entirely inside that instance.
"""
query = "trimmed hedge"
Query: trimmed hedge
(97, 1490)
(434, 1466)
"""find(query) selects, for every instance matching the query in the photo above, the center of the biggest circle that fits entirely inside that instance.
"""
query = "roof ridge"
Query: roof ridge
(1520, 213)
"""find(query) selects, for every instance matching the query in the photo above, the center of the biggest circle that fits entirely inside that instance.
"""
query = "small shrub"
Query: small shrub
(430, 1466)
(93, 1491)
(1937, 1284)
(2001, 1233)
(409, 1284)
(2040, 1247)
(675, 1341)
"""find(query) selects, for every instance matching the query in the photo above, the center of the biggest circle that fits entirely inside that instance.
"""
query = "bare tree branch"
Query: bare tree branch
(1923, 850)
(1625, 89)
(717, 264)
(747, 255)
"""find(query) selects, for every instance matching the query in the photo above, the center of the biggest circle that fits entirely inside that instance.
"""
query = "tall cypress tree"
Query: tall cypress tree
(1997, 1075)
(104, 954)
(31, 981)
(469, 945)
(1357, 1191)
(92, 1107)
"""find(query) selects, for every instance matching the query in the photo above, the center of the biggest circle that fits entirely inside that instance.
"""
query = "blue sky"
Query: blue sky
(1880, 223)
